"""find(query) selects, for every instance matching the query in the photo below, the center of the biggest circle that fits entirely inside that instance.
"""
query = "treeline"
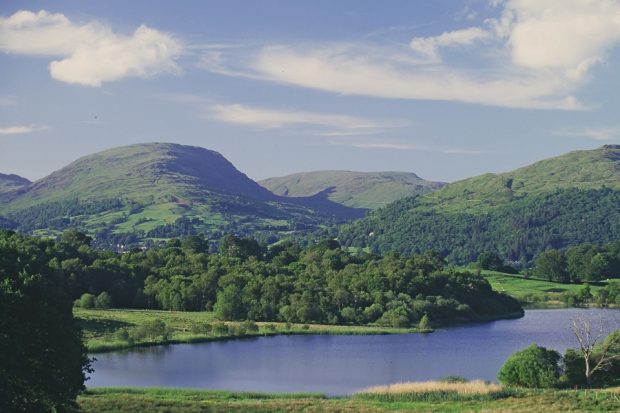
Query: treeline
(580, 263)
(517, 231)
(246, 280)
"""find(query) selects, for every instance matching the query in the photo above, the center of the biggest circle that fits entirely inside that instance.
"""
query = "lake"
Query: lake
(338, 365)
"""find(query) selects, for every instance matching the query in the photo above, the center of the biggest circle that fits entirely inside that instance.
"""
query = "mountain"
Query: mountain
(159, 190)
(554, 203)
(9, 183)
(369, 190)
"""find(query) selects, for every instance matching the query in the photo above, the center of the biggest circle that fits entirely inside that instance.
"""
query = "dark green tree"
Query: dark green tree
(533, 367)
(551, 264)
(42, 358)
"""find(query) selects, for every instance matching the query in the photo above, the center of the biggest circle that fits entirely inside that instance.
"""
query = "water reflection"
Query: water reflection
(340, 364)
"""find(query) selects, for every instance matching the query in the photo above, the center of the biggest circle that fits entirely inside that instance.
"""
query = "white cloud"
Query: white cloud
(428, 47)
(328, 124)
(564, 35)
(89, 54)
(375, 73)
(603, 133)
(19, 130)
(534, 54)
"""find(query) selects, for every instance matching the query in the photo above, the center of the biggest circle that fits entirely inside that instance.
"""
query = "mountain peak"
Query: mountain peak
(145, 170)
(12, 182)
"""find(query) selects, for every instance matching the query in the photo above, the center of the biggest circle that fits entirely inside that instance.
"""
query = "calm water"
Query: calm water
(339, 364)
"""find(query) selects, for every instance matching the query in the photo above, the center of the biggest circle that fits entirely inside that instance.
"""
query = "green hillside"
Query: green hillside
(9, 183)
(370, 190)
(554, 203)
(159, 190)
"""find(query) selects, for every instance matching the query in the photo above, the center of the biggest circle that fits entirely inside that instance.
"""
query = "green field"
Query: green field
(534, 292)
(120, 400)
(100, 328)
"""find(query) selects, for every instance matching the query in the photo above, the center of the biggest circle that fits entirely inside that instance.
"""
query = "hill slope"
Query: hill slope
(9, 183)
(553, 203)
(369, 190)
(158, 190)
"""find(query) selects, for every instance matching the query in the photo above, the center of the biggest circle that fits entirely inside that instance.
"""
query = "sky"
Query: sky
(447, 89)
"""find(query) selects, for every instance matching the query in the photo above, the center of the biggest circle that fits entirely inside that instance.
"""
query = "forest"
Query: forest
(517, 231)
(247, 281)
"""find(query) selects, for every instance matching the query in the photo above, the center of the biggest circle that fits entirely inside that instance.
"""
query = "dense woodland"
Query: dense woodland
(585, 262)
(246, 280)
(517, 231)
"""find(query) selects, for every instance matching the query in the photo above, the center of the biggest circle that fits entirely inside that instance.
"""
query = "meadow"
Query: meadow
(125, 400)
(535, 293)
(100, 328)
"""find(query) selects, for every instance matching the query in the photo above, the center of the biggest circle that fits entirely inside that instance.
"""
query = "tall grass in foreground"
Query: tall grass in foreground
(434, 391)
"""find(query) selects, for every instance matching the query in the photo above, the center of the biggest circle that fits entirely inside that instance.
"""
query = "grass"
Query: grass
(434, 391)
(100, 328)
(125, 400)
(534, 292)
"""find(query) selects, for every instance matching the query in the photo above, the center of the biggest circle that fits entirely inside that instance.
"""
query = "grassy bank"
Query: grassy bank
(535, 293)
(125, 400)
(101, 328)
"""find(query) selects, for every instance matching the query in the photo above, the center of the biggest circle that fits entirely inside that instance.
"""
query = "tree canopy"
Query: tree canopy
(42, 358)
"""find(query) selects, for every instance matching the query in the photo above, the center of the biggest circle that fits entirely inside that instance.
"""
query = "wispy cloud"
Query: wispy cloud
(407, 147)
(533, 54)
(21, 129)
(328, 124)
(90, 53)
(604, 133)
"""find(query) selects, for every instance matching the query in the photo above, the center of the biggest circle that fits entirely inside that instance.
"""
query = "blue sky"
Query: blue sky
(445, 89)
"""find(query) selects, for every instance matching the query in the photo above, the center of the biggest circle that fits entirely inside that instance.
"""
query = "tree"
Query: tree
(42, 357)
(490, 261)
(103, 300)
(86, 301)
(551, 264)
(533, 367)
(424, 324)
(588, 336)
(228, 305)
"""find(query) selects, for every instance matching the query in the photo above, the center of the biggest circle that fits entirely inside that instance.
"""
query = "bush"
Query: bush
(397, 317)
(103, 301)
(85, 301)
(424, 324)
(220, 329)
(533, 367)
(250, 326)
(202, 328)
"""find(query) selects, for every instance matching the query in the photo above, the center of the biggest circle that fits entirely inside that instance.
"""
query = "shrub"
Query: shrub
(85, 301)
(533, 367)
(250, 326)
(103, 300)
(220, 329)
(202, 328)
(424, 324)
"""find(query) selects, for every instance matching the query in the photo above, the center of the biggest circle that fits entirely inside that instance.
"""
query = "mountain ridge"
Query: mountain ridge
(12, 182)
(368, 190)
(145, 189)
(553, 203)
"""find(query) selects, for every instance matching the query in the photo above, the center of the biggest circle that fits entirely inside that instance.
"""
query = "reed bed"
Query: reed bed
(434, 391)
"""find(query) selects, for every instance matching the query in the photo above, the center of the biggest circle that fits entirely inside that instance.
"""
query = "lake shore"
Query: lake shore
(121, 400)
(100, 328)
